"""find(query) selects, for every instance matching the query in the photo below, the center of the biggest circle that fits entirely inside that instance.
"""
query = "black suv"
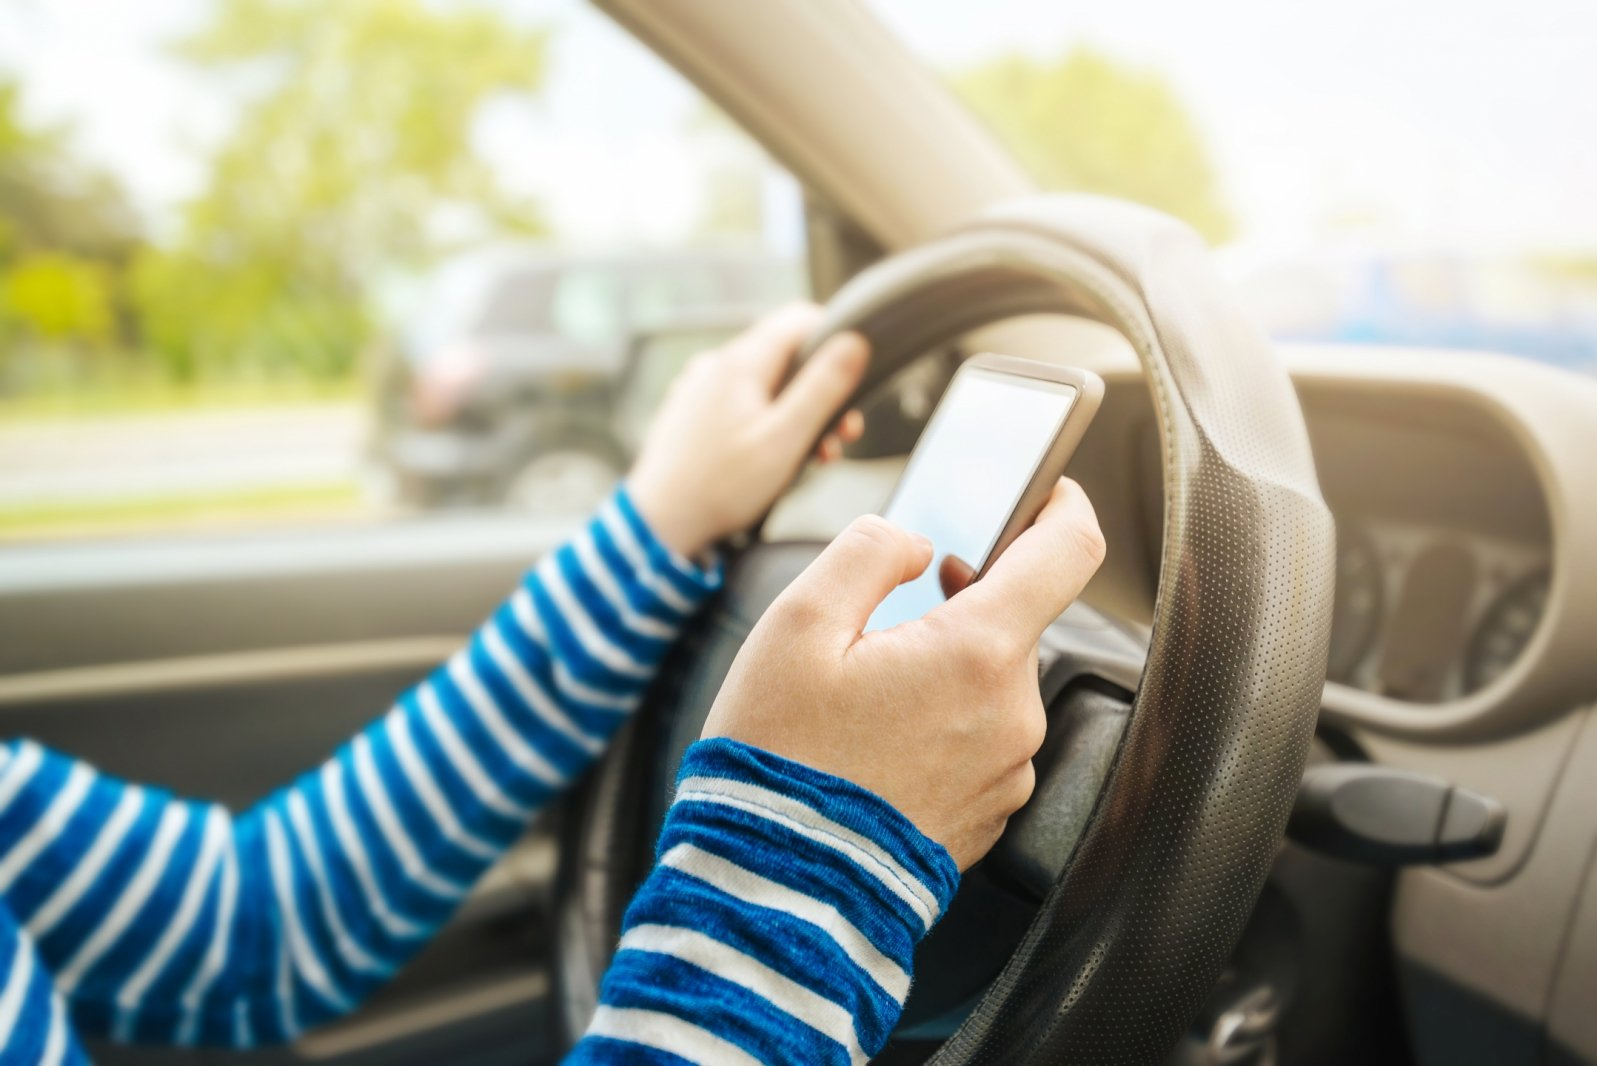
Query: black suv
(500, 381)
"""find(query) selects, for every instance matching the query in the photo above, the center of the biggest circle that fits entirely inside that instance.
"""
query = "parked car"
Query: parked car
(498, 383)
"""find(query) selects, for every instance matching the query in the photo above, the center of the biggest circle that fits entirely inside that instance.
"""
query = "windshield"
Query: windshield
(1384, 173)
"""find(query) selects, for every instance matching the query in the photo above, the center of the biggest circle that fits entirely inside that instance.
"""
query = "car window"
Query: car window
(659, 290)
(250, 279)
(1392, 210)
(526, 300)
(769, 282)
(590, 304)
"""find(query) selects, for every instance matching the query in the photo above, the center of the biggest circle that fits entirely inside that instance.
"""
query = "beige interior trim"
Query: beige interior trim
(364, 1034)
(124, 680)
(876, 135)
(1571, 1022)
(1504, 941)
(1522, 772)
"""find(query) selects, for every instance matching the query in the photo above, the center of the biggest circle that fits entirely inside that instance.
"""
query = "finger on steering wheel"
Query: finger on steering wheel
(848, 429)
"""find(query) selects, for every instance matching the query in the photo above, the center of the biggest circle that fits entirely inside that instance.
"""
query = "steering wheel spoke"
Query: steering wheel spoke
(1088, 672)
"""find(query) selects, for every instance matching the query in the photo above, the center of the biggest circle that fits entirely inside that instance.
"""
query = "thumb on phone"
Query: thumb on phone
(1044, 570)
(854, 574)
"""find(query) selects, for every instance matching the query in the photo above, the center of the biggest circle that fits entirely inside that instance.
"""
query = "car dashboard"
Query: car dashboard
(1462, 645)
(1443, 541)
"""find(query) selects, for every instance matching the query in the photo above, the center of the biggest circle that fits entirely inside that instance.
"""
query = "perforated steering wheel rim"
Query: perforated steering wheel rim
(1161, 883)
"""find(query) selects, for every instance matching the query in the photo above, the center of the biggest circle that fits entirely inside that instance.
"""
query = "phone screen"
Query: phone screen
(967, 473)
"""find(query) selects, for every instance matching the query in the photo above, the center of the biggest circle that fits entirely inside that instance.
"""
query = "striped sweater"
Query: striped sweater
(778, 925)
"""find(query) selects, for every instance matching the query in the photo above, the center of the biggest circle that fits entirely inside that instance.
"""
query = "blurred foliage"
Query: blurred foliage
(1087, 123)
(65, 231)
(57, 296)
(351, 152)
(733, 204)
(1579, 269)
(204, 317)
(123, 516)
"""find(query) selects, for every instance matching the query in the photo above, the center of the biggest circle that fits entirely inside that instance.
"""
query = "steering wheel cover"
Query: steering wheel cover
(1138, 927)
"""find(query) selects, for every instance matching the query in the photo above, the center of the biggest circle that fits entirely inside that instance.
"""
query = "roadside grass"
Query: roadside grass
(252, 508)
(152, 397)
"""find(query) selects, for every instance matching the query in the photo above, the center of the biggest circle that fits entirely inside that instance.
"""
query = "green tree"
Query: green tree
(1087, 123)
(58, 296)
(353, 142)
(65, 231)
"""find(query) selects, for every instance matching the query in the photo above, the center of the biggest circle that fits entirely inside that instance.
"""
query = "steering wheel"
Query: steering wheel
(1097, 927)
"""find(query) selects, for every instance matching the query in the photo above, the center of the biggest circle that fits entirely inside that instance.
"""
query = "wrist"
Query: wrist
(674, 520)
(690, 578)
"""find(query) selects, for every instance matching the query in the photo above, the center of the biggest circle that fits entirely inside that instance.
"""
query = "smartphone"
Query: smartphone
(984, 466)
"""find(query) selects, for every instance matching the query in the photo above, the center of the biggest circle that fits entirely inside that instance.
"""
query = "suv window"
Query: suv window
(519, 301)
(590, 304)
(661, 289)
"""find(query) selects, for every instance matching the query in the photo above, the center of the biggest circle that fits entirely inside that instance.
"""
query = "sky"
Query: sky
(601, 148)
(1461, 124)
(1453, 121)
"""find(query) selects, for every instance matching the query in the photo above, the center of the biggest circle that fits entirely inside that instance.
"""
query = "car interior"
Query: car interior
(1410, 698)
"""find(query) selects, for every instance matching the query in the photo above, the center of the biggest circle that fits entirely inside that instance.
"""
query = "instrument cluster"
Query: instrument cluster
(1428, 614)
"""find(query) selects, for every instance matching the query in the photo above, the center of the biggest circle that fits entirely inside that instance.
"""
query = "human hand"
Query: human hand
(939, 716)
(725, 442)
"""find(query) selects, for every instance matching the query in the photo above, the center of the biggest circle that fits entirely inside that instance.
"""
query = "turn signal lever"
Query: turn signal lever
(1384, 817)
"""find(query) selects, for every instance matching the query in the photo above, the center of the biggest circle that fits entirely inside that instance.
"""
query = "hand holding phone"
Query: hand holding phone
(990, 454)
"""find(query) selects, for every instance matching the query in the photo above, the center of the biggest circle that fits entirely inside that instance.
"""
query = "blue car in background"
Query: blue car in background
(1428, 300)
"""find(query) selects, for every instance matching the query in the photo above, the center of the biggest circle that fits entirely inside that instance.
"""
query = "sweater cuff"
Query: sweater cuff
(781, 920)
(858, 823)
(817, 835)
(694, 580)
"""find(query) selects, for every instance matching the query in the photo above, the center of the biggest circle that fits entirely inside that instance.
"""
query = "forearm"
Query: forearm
(779, 924)
(169, 921)
(406, 817)
(33, 1019)
(434, 792)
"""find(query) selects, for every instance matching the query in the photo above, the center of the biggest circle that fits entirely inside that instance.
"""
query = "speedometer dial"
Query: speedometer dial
(1505, 630)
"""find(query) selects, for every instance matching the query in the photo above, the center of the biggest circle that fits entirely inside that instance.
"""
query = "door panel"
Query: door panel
(73, 605)
(223, 668)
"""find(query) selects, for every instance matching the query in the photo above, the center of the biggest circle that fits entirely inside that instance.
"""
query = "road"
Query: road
(178, 454)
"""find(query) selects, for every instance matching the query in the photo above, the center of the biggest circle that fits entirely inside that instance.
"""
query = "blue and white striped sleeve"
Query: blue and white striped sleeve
(163, 920)
(778, 925)
(33, 1018)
